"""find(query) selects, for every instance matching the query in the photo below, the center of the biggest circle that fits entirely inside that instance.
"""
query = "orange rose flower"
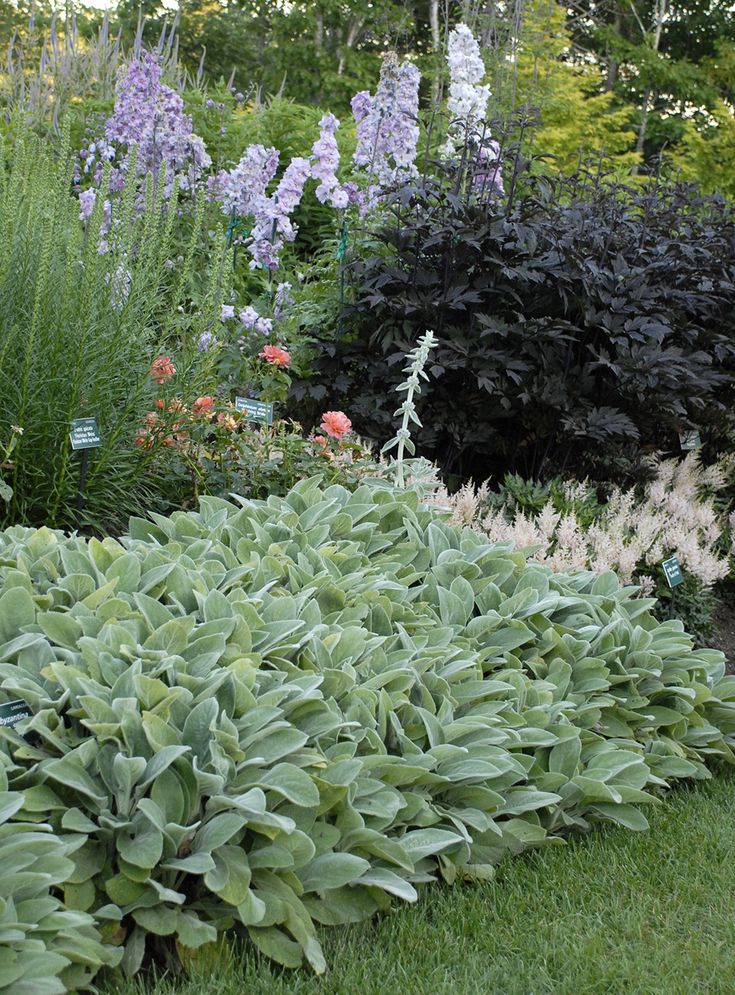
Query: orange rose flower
(227, 422)
(335, 423)
(275, 355)
(162, 369)
(144, 437)
(203, 405)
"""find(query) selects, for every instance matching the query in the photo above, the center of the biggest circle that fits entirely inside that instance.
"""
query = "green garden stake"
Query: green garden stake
(342, 247)
(341, 254)
(84, 435)
(236, 225)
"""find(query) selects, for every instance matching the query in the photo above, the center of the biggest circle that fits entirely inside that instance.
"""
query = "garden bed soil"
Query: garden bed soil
(725, 638)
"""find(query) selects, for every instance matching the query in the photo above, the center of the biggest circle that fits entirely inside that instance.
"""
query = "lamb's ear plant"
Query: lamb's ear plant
(45, 948)
(402, 441)
(271, 714)
(83, 311)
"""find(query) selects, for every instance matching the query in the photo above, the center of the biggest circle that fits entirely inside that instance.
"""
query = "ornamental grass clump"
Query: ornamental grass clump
(86, 306)
(271, 714)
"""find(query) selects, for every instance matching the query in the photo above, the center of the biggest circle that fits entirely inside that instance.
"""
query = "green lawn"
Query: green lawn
(612, 912)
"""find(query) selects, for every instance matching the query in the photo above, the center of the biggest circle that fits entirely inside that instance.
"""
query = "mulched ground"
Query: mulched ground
(725, 638)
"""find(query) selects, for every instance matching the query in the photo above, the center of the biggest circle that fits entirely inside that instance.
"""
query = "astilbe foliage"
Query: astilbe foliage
(580, 322)
(272, 714)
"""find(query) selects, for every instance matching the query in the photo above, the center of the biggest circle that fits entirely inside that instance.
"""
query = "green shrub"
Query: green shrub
(290, 711)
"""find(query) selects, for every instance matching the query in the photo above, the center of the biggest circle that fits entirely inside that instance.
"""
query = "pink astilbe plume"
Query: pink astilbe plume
(632, 534)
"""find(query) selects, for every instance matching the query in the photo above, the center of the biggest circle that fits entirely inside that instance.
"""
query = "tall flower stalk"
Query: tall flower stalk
(411, 386)
(467, 108)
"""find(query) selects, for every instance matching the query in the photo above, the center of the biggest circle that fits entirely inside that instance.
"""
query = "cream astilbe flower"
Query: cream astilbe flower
(466, 502)
(646, 584)
(547, 522)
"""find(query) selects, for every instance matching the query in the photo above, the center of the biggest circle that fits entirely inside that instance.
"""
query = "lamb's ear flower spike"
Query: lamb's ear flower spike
(402, 440)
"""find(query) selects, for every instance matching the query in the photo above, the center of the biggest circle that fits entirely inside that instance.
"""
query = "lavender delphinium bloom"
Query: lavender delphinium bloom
(283, 299)
(273, 224)
(241, 191)
(486, 169)
(326, 161)
(149, 116)
(87, 200)
(387, 125)
(242, 194)
(227, 312)
(205, 341)
(248, 316)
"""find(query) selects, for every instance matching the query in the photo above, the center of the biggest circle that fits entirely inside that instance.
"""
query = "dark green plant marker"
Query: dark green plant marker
(13, 711)
(84, 436)
(260, 411)
(690, 440)
(672, 572)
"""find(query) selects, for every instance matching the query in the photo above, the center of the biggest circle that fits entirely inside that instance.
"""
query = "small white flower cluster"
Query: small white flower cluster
(468, 96)
(633, 533)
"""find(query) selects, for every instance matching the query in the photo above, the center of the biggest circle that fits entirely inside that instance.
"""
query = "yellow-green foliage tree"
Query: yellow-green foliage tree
(577, 120)
(706, 152)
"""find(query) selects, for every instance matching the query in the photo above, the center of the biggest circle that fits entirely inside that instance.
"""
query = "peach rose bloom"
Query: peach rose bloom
(335, 423)
(162, 369)
(203, 405)
(275, 355)
(227, 422)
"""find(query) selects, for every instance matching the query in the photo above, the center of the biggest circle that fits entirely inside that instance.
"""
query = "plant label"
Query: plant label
(256, 410)
(13, 711)
(690, 440)
(672, 571)
(85, 434)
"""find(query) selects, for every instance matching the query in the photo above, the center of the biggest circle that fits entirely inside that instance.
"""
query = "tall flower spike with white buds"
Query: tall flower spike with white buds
(412, 386)
(467, 108)
(468, 96)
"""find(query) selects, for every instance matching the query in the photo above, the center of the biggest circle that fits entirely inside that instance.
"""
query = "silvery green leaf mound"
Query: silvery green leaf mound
(45, 949)
(269, 715)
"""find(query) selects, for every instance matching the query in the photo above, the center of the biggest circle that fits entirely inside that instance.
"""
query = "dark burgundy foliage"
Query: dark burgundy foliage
(581, 323)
